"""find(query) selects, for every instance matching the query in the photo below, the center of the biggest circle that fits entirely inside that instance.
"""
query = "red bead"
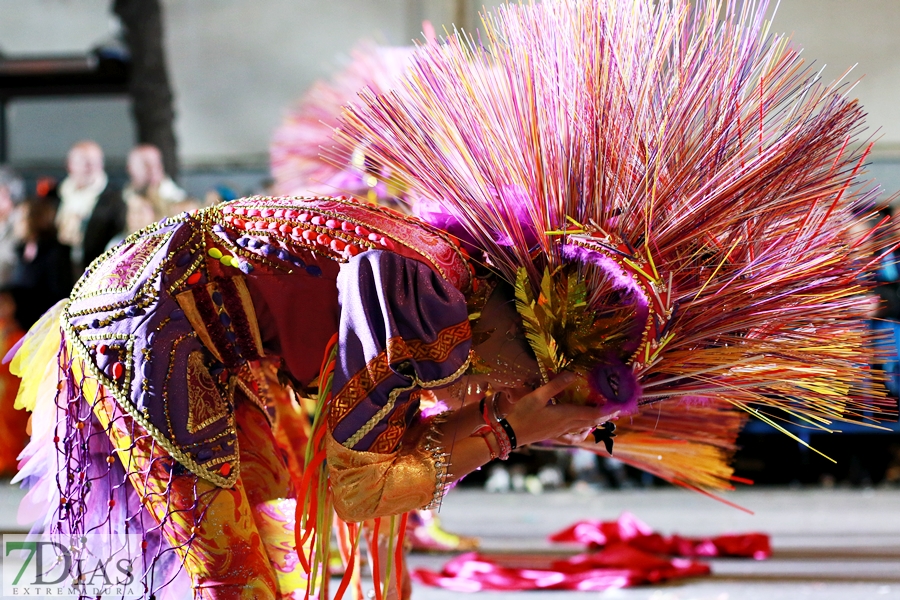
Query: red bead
(279, 214)
(55, 439)
(374, 237)
(347, 226)
(297, 231)
(352, 249)
(118, 369)
(309, 234)
(291, 214)
(79, 425)
(273, 226)
(332, 223)
(284, 228)
(260, 225)
(387, 243)
(102, 349)
(194, 278)
(360, 230)
(228, 210)
(317, 220)
(323, 239)
(225, 470)
(267, 212)
(303, 218)
(248, 225)
(112, 503)
(240, 210)
(253, 212)
(229, 219)
(338, 245)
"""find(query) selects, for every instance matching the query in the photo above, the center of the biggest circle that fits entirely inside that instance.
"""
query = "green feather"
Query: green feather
(535, 331)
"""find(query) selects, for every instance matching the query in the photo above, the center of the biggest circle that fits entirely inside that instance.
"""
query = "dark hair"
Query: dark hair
(40, 219)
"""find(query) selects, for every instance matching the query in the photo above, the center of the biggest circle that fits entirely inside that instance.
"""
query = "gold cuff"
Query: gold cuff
(369, 484)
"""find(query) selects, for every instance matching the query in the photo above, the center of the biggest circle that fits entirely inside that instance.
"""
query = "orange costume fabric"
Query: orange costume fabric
(13, 423)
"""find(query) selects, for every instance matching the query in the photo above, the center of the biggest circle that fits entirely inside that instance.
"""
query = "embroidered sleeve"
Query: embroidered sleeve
(402, 328)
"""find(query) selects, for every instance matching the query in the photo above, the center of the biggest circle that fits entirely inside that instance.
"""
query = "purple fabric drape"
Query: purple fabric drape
(384, 298)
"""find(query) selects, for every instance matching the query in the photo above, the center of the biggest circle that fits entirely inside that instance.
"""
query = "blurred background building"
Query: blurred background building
(235, 65)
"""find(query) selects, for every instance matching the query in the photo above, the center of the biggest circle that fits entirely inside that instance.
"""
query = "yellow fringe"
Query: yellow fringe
(36, 360)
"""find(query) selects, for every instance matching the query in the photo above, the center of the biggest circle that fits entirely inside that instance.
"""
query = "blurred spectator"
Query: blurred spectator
(91, 210)
(43, 275)
(12, 192)
(141, 212)
(585, 470)
(220, 193)
(148, 180)
(887, 314)
(45, 186)
(892, 473)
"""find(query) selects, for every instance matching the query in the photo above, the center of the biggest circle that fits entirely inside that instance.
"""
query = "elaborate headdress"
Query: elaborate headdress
(300, 145)
(669, 187)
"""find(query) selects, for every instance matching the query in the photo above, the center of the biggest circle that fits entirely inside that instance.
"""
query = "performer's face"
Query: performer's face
(85, 163)
(503, 348)
(502, 351)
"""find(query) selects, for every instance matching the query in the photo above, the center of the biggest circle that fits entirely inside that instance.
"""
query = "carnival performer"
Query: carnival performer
(635, 205)
(300, 166)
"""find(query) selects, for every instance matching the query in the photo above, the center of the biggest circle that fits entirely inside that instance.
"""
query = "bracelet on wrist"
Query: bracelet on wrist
(484, 431)
(498, 430)
(507, 428)
(510, 434)
(484, 435)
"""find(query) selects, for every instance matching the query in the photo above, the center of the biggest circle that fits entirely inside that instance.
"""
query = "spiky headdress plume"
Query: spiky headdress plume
(669, 167)
(296, 151)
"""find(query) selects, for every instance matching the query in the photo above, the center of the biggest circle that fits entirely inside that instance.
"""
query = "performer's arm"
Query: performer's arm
(403, 328)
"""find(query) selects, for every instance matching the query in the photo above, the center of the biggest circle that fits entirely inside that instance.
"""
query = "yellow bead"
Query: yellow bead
(215, 253)
(227, 260)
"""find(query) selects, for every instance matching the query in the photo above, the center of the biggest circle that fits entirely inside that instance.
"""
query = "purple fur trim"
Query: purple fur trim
(513, 202)
(621, 281)
(509, 201)
(437, 216)
(439, 407)
(618, 276)
(616, 383)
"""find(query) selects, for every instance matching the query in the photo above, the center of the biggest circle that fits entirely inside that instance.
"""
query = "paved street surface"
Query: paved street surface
(828, 544)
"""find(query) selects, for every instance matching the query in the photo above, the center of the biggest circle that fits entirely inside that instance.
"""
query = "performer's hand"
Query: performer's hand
(535, 419)
(577, 437)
